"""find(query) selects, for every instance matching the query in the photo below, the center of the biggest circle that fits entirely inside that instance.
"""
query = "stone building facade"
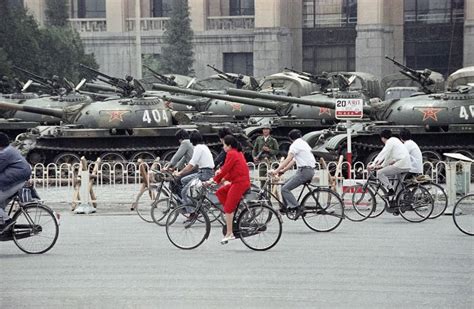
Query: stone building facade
(261, 37)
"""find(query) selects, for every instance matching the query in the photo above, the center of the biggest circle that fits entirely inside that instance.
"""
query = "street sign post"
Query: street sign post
(349, 109)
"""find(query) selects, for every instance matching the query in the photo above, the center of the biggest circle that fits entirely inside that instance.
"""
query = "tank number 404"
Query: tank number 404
(155, 115)
(465, 113)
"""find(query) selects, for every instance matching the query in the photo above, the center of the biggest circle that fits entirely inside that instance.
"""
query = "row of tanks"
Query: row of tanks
(132, 122)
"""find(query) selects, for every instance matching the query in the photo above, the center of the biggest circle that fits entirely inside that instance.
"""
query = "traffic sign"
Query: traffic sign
(349, 109)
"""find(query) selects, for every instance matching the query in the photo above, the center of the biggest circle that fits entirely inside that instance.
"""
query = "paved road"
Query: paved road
(115, 260)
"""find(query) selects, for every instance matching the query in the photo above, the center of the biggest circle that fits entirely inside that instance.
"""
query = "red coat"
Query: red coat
(235, 168)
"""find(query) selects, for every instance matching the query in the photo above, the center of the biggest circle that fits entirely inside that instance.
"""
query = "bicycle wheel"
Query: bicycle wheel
(380, 203)
(323, 210)
(185, 230)
(463, 214)
(259, 227)
(358, 205)
(160, 209)
(415, 203)
(36, 228)
(440, 199)
(143, 204)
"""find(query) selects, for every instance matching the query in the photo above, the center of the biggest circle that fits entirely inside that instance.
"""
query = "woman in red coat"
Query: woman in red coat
(236, 172)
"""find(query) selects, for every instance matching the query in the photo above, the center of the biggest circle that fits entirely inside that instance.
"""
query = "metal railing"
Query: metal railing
(230, 22)
(433, 18)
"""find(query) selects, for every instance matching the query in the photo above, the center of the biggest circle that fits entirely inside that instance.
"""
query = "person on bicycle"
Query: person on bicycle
(393, 160)
(236, 172)
(416, 157)
(202, 158)
(299, 153)
(180, 158)
(184, 152)
(223, 132)
(14, 172)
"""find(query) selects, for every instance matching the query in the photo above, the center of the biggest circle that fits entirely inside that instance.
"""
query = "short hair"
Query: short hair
(182, 134)
(231, 141)
(223, 132)
(405, 134)
(294, 134)
(196, 138)
(386, 134)
(4, 140)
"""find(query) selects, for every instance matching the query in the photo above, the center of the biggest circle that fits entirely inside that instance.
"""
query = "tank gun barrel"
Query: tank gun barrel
(423, 78)
(32, 109)
(309, 102)
(183, 101)
(260, 103)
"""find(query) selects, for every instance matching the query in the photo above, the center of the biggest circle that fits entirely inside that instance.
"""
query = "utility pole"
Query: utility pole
(138, 39)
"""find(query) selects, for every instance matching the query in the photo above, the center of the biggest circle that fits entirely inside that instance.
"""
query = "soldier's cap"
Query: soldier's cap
(266, 126)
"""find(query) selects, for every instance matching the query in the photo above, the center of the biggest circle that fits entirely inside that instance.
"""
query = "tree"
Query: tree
(43, 51)
(57, 13)
(177, 55)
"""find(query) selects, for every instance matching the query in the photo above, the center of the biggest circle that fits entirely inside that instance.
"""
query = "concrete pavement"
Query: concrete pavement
(112, 259)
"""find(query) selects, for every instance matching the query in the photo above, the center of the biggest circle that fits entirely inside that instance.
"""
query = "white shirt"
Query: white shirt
(415, 156)
(302, 153)
(394, 150)
(202, 157)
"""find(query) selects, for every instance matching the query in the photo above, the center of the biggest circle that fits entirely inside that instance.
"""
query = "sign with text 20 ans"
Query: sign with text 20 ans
(349, 109)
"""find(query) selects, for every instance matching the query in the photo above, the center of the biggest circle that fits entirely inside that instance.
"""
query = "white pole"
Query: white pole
(138, 40)
(349, 148)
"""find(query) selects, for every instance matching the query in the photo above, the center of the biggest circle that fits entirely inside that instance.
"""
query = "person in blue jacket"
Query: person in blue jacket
(14, 172)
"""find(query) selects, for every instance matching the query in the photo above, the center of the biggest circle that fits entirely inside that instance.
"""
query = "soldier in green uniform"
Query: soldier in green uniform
(265, 151)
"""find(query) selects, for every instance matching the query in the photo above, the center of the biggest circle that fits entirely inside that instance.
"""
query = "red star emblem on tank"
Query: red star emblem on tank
(324, 110)
(430, 113)
(169, 104)
(116, 115)
(236, 107)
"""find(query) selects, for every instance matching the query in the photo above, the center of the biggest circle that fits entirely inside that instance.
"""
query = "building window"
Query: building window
(429, 11)
(318, 59)
(161, 8)
(329, 13)
(241, 7)
(240, 63)
(91, 9)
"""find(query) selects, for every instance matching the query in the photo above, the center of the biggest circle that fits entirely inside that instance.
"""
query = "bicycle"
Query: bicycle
(320, 204)
(463, 214)
(256, 224)
(413, 201)
(36, 227)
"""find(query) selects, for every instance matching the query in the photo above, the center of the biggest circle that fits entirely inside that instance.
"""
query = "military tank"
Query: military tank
(281, 111)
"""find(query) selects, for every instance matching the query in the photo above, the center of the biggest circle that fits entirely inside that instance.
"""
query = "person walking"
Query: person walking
(236, 172)
(264, 152)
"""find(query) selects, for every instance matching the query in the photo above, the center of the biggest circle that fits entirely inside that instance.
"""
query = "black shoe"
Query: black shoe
(390, 193)
(8, 224)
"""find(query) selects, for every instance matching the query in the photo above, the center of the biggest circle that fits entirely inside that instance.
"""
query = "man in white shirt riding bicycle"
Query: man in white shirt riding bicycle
(416, 157)
(393, 160)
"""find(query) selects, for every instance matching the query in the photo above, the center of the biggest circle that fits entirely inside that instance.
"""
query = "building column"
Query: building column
(37, 9)
(198, 14)
(468, 59)
(379, 33)
(115, 14)
(278, 36)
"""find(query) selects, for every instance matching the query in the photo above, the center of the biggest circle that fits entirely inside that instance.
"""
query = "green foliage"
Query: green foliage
(4, 63)
(43, 51)
(177, 56)
(151, 61)
(57, 13)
